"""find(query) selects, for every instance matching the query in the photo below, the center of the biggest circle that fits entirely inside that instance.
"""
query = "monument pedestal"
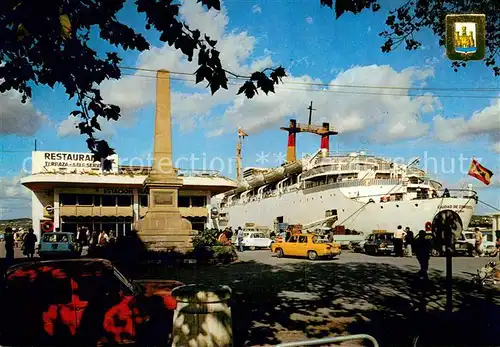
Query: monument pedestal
(163, 227)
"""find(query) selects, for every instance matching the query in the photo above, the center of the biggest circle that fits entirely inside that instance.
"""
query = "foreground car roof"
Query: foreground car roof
(34, 264)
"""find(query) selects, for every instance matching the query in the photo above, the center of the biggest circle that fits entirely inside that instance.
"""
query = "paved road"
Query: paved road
(282, 300)
(461, 265)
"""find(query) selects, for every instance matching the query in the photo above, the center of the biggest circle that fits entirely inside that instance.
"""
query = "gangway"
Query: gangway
(320, 224)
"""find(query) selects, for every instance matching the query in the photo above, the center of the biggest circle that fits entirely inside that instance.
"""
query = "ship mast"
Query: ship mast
(241, 136)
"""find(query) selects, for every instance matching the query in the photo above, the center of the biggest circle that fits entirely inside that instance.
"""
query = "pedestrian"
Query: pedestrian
(9, 246)
(409, 238)
(423, 246)
(240, 239)
(478, 242)
(398, 242)
(103, 239)
(29, 243)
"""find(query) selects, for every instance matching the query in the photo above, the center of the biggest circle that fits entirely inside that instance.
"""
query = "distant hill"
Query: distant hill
(24, 223)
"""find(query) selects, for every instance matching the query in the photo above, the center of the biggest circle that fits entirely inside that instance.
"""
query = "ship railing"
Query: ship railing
(458, 193)
(329, 340)
(356, 183)
(342, 167)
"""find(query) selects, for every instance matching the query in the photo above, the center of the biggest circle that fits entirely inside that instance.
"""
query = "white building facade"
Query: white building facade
(70, 190)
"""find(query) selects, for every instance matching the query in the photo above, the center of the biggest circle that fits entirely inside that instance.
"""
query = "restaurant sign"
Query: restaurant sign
(68, 162)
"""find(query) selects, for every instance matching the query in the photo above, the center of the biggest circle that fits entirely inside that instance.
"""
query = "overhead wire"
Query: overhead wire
(316, 84)
(284, 87)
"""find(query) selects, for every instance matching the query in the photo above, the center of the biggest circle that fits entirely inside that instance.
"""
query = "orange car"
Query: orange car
(83, 301)
(306, 245)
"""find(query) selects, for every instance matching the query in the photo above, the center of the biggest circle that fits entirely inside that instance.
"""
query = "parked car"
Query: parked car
(254, 240)
(59, 244)
(379, 243)
(488, 245)
(359, 246)
(306, 245)
(83, 302)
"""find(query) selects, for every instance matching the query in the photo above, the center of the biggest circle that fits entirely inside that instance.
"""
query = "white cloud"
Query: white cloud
(134, 92)
(11, 188)
(483, 122)
(69, 127)
(350, 111)
(18, 118)
(309, 20)
(256, 9)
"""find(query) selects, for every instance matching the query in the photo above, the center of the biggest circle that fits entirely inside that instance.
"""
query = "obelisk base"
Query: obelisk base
(165, 231)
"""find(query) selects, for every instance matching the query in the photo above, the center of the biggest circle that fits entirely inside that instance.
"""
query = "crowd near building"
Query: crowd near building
(70, 190)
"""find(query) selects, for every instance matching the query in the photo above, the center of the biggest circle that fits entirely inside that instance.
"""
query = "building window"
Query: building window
(108, 200)
(144, 200)
(124, 200)
(183, 201)
(67, 199)
(85, 200)
(97, 200)
(198, 201)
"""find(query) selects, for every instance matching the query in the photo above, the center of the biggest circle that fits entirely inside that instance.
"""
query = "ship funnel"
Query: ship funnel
(292, 133)
(325, 140)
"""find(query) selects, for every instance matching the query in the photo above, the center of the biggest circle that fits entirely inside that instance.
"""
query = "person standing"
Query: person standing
(9, 246)
(29, 243)
(240, 239)
(423, 247)
(409, 239)
(479, 242)
(398, 242)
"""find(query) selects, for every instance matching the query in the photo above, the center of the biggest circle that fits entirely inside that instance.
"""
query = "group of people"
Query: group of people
(226, 236)
(10, 242)
(407, 243)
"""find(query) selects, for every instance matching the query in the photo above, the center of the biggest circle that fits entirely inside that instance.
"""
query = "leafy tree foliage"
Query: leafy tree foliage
(48, 43)
(414, 15)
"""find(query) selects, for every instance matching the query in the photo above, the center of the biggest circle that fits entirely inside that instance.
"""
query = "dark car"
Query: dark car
(379, 243)
(83, 302)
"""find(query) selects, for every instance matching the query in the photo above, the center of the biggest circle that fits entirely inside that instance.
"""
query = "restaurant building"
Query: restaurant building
(71, 190)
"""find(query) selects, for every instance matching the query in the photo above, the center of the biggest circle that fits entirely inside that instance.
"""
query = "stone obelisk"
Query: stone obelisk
(163, 227)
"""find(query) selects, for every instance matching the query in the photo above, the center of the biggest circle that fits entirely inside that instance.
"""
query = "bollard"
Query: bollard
(202, 317)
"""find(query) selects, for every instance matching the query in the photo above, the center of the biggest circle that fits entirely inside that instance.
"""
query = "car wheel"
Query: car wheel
(279, 253)
(252, 248)
(312, 255)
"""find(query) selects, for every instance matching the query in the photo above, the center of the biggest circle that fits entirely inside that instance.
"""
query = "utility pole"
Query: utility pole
(311, 109)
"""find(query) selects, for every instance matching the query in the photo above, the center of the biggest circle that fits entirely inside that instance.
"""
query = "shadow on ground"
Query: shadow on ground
(291, 302)
(273, 304)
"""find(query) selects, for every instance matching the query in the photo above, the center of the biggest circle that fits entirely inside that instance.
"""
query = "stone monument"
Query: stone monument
(163, 227)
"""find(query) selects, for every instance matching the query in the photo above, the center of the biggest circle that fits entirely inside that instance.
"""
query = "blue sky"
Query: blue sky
(314, 47)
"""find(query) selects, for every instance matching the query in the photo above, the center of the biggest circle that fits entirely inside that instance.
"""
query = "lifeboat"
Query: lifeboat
(241, 187)
(256, 180)
(292, 168)
(274, 175)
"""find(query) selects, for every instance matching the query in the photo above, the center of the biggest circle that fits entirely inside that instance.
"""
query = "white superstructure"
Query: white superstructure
(366, 192)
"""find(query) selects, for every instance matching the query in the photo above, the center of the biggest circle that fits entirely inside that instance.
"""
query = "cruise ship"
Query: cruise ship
(365, 192)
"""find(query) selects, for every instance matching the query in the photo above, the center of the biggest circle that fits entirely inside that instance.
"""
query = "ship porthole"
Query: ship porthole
(416, 205)
(382, 207)
(397, 205)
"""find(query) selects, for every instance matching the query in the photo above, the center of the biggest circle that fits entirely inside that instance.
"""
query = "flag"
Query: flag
(242, 133)
(480, 172)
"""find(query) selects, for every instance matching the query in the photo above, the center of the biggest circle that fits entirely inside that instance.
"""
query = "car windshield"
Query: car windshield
(51, 238)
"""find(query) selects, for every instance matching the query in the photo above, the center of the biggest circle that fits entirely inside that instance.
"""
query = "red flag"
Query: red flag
(480, 172)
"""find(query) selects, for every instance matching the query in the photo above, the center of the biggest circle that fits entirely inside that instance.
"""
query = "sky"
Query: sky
(336, 64)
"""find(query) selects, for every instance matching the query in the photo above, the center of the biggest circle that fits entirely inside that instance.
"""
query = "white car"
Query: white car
(254, 240)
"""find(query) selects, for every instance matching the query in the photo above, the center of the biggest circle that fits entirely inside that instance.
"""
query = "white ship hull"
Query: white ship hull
(301, 207)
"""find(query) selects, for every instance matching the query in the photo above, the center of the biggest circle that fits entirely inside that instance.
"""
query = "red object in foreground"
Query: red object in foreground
(83, 301)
